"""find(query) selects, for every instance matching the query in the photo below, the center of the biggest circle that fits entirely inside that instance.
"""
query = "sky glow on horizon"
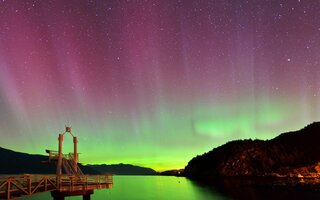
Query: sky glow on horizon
(155, 83)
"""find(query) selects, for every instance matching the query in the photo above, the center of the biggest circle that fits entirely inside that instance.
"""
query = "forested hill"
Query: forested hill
(294, 153)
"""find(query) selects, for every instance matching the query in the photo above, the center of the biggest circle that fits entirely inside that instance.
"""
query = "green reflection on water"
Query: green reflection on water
(146, 188)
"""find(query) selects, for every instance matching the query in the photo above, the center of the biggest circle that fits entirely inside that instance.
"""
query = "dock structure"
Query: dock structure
(68, 181)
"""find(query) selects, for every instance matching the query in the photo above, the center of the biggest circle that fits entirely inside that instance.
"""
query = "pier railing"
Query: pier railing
(85, 182)
(15, 186)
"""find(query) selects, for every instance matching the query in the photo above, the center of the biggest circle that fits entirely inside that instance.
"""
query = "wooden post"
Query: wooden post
(45, 183)
(72, 183)
(9, 188)
(29, 185)
(59, 165)
(75, 154)
(86, 183)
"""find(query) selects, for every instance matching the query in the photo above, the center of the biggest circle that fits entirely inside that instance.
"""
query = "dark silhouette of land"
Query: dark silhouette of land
(21, 163)
(122, 169)
(15, 163)
(292, 154)
(172, 172)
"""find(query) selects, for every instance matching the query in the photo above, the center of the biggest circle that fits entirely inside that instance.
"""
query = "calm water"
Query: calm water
(148, 188)
(179, 188)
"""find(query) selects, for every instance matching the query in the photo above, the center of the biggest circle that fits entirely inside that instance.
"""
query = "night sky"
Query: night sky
(154, 83)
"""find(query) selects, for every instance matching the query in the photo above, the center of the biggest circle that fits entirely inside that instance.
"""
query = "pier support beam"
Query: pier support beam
(59, 165)
(86, 197)
(58, 198)
(75, 153)
(60, 195)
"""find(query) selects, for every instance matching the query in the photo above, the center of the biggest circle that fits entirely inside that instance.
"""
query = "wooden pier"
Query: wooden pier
(69, 180)
(13, 187)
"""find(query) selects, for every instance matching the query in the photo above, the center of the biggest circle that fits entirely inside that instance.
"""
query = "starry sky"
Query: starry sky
(155, 82)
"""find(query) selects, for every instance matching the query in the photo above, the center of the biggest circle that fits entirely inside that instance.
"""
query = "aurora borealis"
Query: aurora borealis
(154, 83)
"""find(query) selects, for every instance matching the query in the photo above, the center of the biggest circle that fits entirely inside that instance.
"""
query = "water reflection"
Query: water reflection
(158, 188)
(147, 188)
(261, 189)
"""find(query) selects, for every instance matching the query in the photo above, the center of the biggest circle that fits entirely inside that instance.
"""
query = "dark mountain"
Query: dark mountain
(122, 169)
(21, 163)
(290, 154)
(16, 163)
